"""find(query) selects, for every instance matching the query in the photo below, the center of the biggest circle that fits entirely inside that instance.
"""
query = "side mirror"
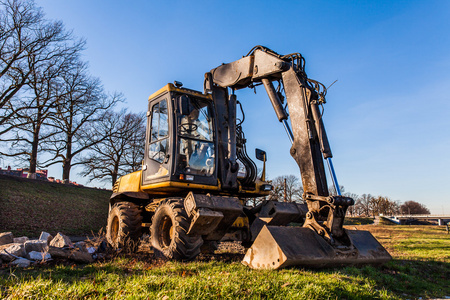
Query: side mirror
(260, 155)
(184, 105)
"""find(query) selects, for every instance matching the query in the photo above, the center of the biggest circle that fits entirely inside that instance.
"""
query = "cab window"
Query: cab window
(159, 132)
(195, 136)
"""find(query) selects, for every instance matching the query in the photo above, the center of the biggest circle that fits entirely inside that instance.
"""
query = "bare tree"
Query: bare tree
(352, 209)
(135, 153)
(383, 206)
(26, 128)
(357, 209)
(28, 42)
(108, 159)
(332, 191)
(81, 103)
(414, 208)
(365, 204)
(287, 188)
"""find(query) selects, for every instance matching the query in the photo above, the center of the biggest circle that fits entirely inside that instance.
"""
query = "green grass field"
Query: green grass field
(28, 207)
(420, 268)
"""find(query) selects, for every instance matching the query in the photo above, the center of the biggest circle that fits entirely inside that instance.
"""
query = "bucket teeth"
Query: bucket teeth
(278, 247)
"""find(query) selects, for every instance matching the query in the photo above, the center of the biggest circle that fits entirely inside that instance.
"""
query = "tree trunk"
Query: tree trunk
(115, 172)
(67, 162)
(34, 151)
(66, 170)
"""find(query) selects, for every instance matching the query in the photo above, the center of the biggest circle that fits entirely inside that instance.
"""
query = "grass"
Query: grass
(126, 278)
(420, 268)
(29, 207)
(358, 221)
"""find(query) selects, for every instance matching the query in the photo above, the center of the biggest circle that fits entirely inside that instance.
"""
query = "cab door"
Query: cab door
(157, 163)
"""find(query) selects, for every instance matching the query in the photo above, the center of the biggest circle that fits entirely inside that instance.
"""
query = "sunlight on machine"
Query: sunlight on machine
(196, 176)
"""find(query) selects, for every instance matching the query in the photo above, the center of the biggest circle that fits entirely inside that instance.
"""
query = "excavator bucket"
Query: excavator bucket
(278, 247)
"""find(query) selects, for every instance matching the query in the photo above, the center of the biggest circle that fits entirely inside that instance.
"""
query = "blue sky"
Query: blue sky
(387, 116)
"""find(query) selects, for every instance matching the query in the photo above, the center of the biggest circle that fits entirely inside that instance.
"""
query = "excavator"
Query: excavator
(197, 177)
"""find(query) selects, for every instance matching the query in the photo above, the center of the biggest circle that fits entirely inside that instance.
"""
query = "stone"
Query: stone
(21, 263)
(36, 245)
(5, 246)
(33, 255)
(72, 254)
(60, 241)
(21, 240)
(6, 238)
(81, 246)
(12, 252)
(45, 236)
(102, 248)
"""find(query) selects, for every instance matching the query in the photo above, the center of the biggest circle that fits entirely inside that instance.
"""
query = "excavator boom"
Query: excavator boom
(322, 241)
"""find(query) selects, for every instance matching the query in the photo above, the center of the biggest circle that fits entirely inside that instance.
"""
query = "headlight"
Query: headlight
(266, 187)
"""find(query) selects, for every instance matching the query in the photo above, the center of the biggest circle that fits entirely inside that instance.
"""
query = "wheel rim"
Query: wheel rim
(165, 232)
(114, 229)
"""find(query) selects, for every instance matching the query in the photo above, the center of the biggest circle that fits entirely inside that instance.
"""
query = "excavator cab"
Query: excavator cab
(180, 144)
(181, 147)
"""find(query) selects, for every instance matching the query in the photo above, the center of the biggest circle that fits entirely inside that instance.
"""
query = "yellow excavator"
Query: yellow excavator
(196, 176)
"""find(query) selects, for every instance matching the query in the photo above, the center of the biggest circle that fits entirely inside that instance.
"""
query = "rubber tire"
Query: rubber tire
(124, 226)
(168, 232)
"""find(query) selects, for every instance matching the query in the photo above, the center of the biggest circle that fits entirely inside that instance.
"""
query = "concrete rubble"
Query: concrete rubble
(23, 252)
(6, 238)
(60, 241)
(36, 245)
(20, 240)
(45, 236)
(33, 255)
(13, 251)
(21, 262)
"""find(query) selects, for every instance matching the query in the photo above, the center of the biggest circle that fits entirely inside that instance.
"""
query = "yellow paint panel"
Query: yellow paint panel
(171, 88)
(241, 222)
(182, 185)
(130, 182)
(160, 91)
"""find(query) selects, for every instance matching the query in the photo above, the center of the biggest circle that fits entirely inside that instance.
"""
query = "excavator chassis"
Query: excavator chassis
(190, 189)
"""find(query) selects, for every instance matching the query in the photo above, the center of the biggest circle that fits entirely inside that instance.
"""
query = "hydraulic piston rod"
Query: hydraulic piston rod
(333, 176)
(288, 131)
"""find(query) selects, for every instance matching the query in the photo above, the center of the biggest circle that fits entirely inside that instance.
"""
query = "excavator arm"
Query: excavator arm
(310, 147)
(308, 135)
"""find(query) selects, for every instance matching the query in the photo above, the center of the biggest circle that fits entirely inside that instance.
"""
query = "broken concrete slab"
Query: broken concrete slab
(12, 252)
(45, 236)
(6, 238)
(36, 245)
(72, 254)
(5, 246)
(60, 241)
(34, 255)
(21, 262)
(20, 240)
(80, 245)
